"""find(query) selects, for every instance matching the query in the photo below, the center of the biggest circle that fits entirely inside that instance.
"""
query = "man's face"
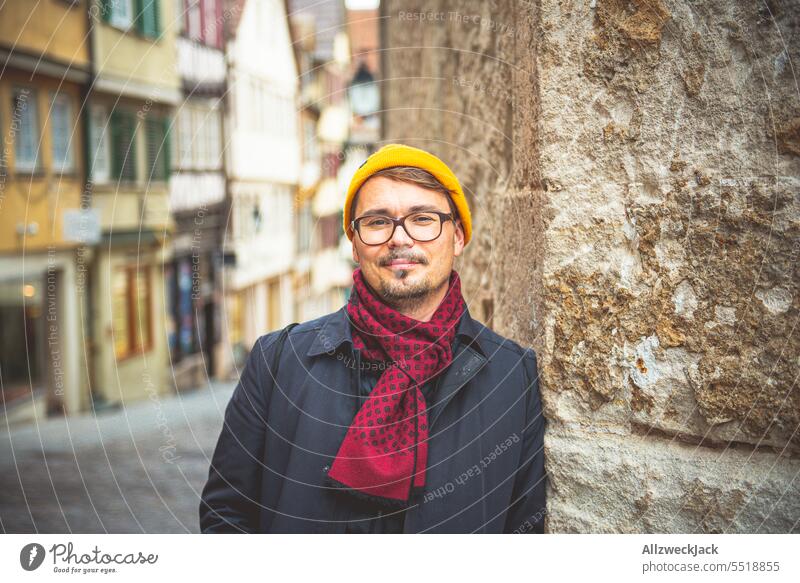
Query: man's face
(402, 271)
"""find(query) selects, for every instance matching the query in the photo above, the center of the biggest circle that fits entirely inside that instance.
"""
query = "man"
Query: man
(399, 412)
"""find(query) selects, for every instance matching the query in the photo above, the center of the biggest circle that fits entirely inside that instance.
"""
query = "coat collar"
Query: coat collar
(335, 330)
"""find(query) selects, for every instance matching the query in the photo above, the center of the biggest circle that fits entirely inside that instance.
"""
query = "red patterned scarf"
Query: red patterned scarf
(384, 453)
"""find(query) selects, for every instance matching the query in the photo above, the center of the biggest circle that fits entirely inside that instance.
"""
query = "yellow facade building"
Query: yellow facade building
(87, 99)
(45, 223)
(131, 103)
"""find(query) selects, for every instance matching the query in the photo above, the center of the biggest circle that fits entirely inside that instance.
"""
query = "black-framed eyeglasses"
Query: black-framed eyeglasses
(421, 226)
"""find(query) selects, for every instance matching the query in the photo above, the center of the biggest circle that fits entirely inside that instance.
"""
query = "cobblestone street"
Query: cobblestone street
(137, 470)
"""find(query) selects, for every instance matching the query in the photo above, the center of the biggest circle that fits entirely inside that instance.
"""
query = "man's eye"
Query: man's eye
(423, 220)
(377, 223)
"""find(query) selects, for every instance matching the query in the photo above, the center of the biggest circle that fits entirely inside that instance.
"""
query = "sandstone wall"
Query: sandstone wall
(633, 169)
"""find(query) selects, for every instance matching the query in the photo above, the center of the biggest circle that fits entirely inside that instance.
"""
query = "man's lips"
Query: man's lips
(402, 263)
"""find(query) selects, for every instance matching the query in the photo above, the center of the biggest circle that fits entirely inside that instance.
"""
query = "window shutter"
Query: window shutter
(156, 10)
(157, 148)
(166, 149)
(123, 149)
(142, 22)
(147, 18)
(151, 138)
(105, 9)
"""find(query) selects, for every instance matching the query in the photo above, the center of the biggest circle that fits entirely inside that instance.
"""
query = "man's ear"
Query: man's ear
(458, 238)
(355, 252)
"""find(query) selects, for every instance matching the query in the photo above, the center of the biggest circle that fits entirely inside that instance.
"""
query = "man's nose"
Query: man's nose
(400, 238)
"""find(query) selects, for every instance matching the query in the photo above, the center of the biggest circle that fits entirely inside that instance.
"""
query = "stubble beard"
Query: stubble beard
(399, 295)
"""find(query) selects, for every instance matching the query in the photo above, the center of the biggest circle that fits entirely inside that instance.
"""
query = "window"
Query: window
(198, 146)
(118, 13)
(305, 226)
(130, 317)
(99, 153)
(208, 135)
(123, 145)
(258, 219)
(124, 13)
(185, 136)
(208, 138)
(61, 130)
(174, 142)
(157, 136)
(213, 123)
(248, 216)
(330, 230)
(26, 136)
(199, 137)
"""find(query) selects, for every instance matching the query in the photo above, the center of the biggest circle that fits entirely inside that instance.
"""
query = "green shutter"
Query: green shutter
(151, 147)
(156, 9)
(166, 148)
(157, 148)
(139, 19)
(130, 148)
(105, 9)
(123, 145)
(116, 138)
(147, 18)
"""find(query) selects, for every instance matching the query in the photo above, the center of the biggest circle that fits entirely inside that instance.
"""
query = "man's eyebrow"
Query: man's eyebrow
(414, 209)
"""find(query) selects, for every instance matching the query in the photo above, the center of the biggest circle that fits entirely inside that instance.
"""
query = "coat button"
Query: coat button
(325, 469)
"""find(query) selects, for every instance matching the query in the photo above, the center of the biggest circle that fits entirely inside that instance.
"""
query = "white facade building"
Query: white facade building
(264, 167)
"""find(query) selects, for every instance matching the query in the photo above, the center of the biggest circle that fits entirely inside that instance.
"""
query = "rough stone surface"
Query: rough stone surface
(633, 169)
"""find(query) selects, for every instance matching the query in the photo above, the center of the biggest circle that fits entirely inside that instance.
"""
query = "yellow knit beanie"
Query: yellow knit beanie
(401, 155)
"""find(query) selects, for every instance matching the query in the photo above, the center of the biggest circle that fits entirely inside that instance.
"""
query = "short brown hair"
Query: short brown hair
(412, 175)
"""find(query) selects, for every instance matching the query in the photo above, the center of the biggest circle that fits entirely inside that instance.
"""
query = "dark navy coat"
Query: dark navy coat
(281, 432)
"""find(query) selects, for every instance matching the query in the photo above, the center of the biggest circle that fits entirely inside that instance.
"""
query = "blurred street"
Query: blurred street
(171, 189)
(132, 470)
